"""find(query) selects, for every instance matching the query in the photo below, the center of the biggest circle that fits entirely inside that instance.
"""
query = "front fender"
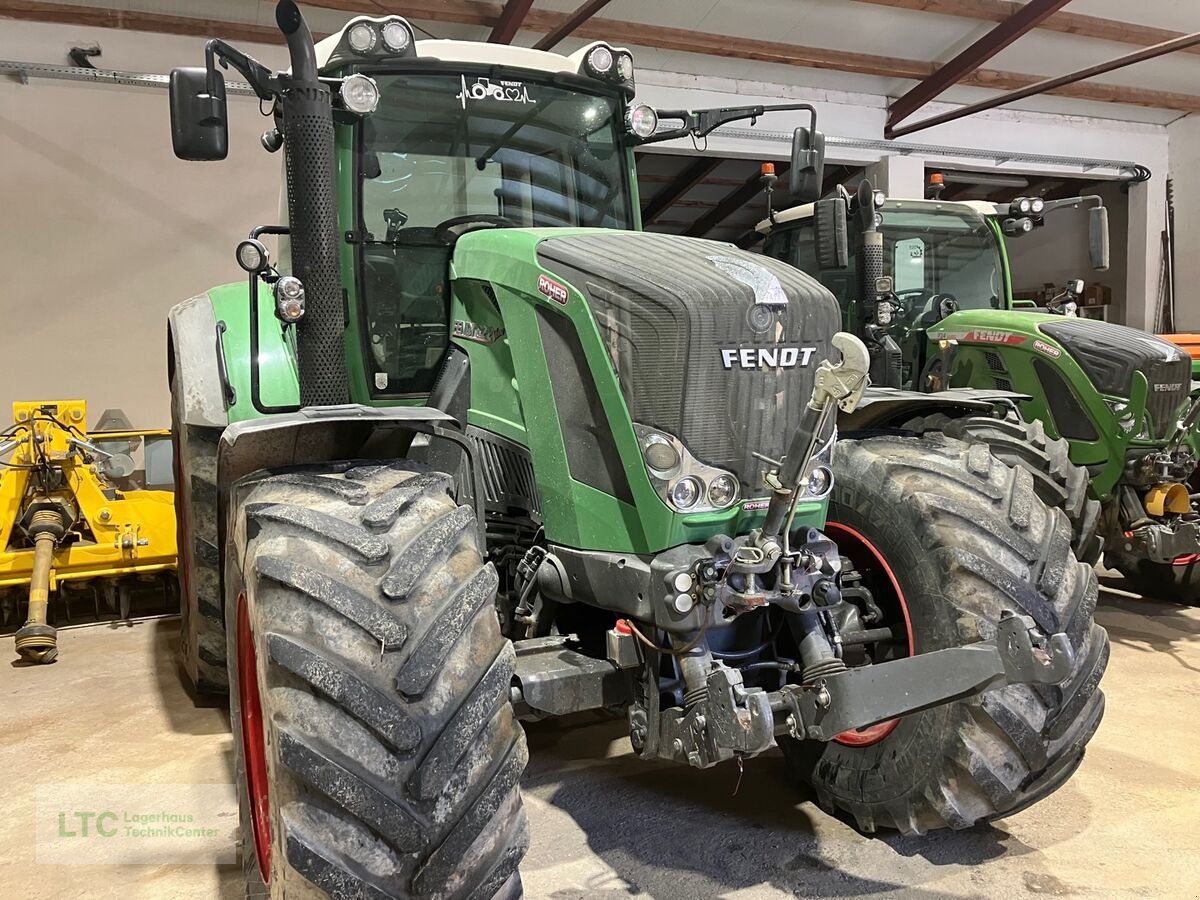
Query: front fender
(891, 407)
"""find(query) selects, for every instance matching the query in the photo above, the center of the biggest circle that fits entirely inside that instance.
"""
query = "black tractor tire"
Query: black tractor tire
(966, 538)
(1158, 581)
(202, 614)
(371, 665)
(1059, 483)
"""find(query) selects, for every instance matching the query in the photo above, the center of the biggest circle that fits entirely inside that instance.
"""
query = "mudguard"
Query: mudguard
(193, 363)
(891, 407)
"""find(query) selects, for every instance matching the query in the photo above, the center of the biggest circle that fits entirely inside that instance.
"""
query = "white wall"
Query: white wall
(103, 229)
(1185, 173)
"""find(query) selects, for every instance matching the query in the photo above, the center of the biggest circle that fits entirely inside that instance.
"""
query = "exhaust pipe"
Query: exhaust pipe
(36, 641)
(312, 216)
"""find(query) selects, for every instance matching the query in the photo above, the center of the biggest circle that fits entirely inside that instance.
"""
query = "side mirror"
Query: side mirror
(199, 118)
(1098, 237)
(808, 165)
(829, 234)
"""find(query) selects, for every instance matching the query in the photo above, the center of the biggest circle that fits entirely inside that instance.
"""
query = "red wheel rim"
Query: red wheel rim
(853, 544)
(254, 748)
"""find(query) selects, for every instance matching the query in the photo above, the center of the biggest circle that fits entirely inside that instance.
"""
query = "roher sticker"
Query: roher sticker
(552, 289)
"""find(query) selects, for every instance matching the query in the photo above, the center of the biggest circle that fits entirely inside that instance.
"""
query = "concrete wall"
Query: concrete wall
(1059, 250)
(103, 229)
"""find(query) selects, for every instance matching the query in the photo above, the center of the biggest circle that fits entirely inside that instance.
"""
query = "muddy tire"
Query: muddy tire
(1058, 482)
(1179, 583)
(965, 537)
(376, 750)
(202, 616)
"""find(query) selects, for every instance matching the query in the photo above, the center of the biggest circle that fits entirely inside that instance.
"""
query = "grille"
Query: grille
(507, 472)
(667, 307)
(994, 362)
(308, 137)
(1170, 382)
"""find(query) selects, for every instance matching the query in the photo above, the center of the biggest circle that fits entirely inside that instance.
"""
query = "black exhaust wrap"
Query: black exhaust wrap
(312, 218)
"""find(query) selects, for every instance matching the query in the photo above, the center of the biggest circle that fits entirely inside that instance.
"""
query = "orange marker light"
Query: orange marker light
(937, 178)
(767, 169)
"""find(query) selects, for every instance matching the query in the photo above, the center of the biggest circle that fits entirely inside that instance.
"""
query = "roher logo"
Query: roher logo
(552, 289)
(1049, 350)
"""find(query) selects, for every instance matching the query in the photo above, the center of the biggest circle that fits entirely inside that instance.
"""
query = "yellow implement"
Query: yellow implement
(79, 507)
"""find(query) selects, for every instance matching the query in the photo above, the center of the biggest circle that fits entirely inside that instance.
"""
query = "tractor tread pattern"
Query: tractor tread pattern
(1059, 483)
(984, 543)
(396, 754)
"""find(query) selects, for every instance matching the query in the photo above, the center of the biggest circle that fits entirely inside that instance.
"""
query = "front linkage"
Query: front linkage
(720, 716)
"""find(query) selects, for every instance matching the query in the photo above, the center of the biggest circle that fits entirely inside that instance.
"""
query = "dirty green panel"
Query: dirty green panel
(1015, 337)
(278, 383)
(575, 514)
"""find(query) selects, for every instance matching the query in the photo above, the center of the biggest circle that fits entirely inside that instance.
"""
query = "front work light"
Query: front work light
(361, 38)
(360, 94)
(643, 120)
(252, 255)
(396, 37)
(600, 60)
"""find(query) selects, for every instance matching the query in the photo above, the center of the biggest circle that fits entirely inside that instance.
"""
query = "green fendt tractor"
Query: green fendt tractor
(1100, 414)
(476, 449)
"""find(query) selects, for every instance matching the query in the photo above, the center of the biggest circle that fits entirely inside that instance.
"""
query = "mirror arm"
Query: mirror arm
(1089, 200)
(701, 123)
(260, 78)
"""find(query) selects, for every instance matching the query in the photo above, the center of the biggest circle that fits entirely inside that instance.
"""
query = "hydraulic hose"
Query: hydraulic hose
(37, 642)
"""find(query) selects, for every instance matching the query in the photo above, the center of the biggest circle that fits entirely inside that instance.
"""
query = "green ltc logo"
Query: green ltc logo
(83, 824)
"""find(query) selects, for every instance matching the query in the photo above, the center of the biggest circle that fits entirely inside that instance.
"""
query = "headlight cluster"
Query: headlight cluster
(685, 483)
(289, 298)
(1026, 206)
(379, 38)
(609, 64)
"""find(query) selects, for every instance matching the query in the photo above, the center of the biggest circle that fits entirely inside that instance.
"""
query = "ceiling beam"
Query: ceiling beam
(970, 59)
(476, 12)
(1063, 22)
(570, 24)
(732, 202)
(510, 20)
(667, 197)
(1049, 84)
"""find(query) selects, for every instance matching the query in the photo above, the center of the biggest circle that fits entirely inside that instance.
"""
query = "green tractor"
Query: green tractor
(1101, 415)
(476, 449)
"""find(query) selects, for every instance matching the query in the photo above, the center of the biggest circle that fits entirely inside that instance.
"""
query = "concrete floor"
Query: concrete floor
(604, 825)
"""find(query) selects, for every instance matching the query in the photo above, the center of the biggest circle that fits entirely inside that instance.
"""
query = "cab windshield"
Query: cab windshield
(931, 251)
(520, 151)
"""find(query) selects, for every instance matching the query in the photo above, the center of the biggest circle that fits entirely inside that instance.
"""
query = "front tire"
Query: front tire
(964, 537)
(377, 753)
(1057, 481)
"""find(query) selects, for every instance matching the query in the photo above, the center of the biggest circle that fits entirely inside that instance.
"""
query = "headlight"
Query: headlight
(879, 198)
(820, 481)
(685, 492)
(643, 121)
(361, 38)
(1024, 206)
(360, 94)
(1017, 226)
(252, 255)
(625, 67)
(660, 455)
(289, 298)
(396, 37)
(722, 491)
(1036, 205)
(600, 60)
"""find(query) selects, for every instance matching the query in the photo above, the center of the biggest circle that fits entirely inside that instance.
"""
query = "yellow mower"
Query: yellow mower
(81, 512)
